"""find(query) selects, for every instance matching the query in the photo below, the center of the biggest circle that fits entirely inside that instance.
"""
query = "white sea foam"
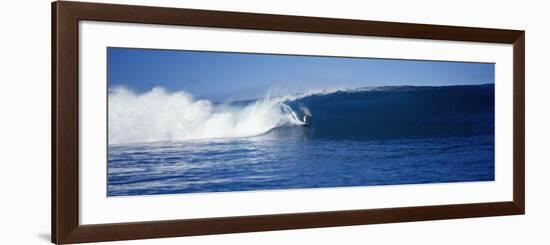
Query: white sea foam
(159, 115)
(326, 91)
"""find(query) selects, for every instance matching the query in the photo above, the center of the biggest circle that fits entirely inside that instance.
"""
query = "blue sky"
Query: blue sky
(221, 76)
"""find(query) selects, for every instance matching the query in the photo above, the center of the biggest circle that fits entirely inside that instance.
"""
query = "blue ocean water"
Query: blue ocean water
(382, 136)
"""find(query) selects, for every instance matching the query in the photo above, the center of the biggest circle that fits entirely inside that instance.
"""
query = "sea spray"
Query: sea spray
(160, 115)
(305, 110)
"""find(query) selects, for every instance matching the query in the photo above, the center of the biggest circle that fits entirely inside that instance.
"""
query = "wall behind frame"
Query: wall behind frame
(25, 124)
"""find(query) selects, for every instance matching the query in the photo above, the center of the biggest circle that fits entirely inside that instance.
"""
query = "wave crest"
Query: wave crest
(159, 115)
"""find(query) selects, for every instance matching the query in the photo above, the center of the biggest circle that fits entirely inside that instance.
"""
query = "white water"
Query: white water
(159, 115)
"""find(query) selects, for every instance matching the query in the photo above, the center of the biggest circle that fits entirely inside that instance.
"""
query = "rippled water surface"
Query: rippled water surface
(266, 163)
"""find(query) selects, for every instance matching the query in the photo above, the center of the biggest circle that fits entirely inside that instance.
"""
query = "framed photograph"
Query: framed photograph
(175, 122)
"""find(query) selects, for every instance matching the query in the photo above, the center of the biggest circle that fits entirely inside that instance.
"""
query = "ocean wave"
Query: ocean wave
(391, 112)
(359, 113)
(159, 115)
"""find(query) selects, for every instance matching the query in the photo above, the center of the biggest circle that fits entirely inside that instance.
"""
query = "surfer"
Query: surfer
(307, 120)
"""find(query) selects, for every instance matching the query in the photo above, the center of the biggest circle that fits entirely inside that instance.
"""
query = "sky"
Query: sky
(220, 76)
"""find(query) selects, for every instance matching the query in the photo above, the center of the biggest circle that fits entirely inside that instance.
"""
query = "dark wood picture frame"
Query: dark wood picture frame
(65, 122)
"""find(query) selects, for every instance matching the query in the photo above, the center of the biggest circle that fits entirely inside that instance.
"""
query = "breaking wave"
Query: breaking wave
(160, 115)
(353, 114)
